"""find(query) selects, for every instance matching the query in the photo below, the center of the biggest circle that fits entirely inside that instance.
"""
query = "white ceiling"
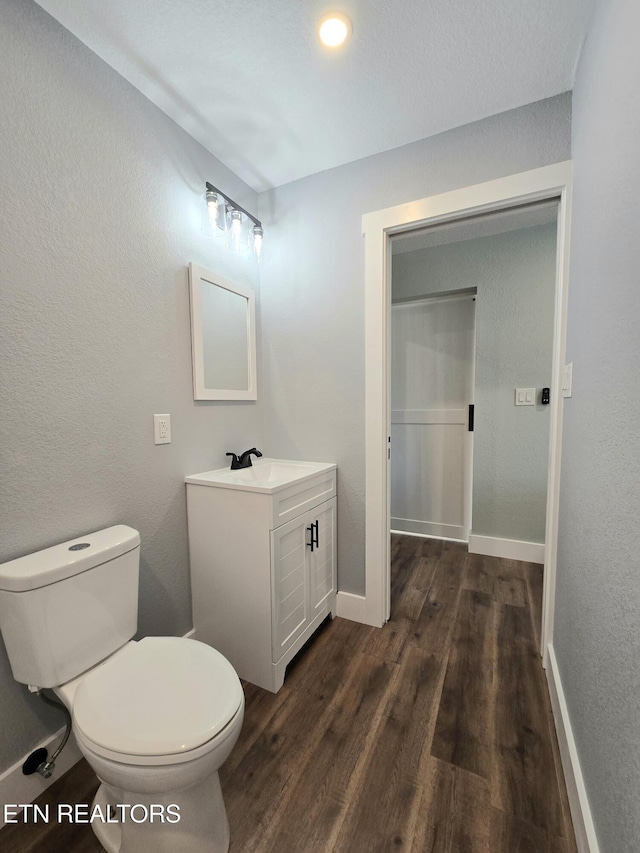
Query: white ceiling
(249, 80)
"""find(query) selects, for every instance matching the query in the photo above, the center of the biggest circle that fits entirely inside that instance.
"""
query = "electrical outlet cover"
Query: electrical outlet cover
(162, 429)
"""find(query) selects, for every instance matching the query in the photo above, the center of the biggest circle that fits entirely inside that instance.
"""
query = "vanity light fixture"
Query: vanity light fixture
(334, 29)
(225, 214)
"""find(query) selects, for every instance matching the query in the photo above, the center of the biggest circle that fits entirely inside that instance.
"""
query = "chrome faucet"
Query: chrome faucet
(244, 460)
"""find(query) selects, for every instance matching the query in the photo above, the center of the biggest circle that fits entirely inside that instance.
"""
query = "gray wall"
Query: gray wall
(100, 212)
(313, 286)
(597, 624)
(514, 274)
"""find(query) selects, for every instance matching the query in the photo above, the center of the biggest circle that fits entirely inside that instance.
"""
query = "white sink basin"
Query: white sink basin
(265, 475)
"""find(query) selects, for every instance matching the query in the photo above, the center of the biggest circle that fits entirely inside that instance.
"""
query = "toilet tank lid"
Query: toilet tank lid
(67, 559)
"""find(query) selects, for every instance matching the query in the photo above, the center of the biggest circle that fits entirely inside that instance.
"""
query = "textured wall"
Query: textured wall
(514, 274)
(597, 633)
(313, 286)
(99, 216)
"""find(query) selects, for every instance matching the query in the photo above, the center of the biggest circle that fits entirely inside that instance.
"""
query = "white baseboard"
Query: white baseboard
(428, 528)
(16, 788)
(351, 606)
(510, 549)
(428, 536)
(584, 829)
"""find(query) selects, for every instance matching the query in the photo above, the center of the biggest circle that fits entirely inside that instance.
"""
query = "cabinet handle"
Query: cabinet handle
(316, 524)
(312, 543)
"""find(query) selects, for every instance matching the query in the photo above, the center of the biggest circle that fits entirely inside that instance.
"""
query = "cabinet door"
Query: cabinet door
(322, 560)
(289, 583)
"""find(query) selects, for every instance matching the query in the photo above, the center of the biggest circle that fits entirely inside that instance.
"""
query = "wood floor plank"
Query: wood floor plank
(463, 734)
(389, 644)
(396, 540)
(274, 759)
(321, 662)
(534, 579)
(430, 548)
(380, 818)
(479, 574)
(512, 835)
(433, 627)
(310, 805)
(421, 546)
(510, 584)
(560, 787)
(427, 565)
(402, 570)
(412, 579)
(524, 779)
(454, 814)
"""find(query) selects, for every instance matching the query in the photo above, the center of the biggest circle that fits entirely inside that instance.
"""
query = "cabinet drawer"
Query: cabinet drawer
(300, 497)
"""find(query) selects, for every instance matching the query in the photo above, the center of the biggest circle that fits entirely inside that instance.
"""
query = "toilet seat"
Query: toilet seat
(161, 700)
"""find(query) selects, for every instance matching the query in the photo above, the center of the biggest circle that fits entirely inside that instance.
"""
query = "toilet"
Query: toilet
(155, 718)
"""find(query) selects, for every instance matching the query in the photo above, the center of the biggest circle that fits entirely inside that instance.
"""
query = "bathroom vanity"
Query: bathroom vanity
(262, 546)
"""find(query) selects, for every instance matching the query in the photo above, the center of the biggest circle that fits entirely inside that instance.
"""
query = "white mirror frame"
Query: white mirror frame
(197, 275)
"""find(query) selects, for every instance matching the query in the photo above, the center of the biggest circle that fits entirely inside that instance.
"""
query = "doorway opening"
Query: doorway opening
(551, 183)
(436, 336)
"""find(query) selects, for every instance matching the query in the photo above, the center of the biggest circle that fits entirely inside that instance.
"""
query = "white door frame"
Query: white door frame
(548, 182)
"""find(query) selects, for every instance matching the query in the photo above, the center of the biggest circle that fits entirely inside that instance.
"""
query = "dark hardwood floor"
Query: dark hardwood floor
(431, 735)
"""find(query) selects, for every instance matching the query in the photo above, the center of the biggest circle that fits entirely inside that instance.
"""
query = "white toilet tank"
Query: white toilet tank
(66, 608)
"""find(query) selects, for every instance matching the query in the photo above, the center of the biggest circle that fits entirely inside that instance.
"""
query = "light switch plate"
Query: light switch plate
(525, 397)
(567, 380)
(162, 429)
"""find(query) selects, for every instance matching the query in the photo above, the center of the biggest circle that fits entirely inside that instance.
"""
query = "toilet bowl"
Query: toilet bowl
(155, 718)
(155, 721)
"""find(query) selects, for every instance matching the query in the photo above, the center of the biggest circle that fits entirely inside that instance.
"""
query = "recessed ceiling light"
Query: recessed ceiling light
(334, 29)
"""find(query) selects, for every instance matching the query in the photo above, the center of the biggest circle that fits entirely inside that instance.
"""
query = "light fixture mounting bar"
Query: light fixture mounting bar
(234, 204)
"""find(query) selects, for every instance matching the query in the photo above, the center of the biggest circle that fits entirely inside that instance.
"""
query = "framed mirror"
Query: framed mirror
(223, 337)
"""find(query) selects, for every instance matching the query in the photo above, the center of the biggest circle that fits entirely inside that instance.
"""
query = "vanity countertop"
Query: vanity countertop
(265, 475)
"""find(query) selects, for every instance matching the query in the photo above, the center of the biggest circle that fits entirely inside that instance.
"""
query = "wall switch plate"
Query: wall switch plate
(525, 396)
(162, 429)
(567, 380)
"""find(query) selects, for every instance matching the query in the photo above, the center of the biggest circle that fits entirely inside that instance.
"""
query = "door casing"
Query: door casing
(546, 183)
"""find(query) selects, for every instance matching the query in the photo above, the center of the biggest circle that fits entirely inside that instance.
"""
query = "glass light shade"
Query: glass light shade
(236, 228)
(211, 199)
(258, 234)
(215, 221)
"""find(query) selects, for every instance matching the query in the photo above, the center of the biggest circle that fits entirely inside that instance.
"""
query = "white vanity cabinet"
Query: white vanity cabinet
(303, 574)
(262, 547)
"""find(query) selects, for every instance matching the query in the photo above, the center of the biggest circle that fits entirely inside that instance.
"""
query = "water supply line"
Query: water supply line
(39, 761)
